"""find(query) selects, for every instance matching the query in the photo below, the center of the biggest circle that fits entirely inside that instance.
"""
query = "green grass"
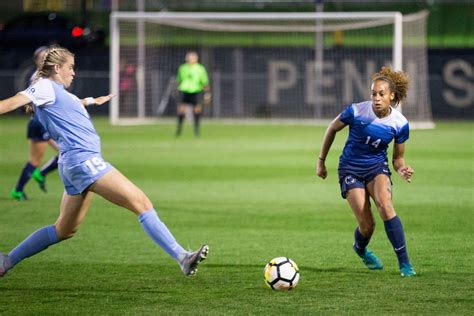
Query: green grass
(251, 193)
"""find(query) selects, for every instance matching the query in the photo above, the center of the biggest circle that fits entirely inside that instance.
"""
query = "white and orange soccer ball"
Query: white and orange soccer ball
(281, 274)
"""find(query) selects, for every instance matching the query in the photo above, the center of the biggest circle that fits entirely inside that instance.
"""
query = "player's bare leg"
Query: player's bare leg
(37, 150)
(116, 188)
(380, 189)
(359, 201)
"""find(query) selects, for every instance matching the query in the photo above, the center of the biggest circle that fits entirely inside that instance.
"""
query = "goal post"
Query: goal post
(264, 65)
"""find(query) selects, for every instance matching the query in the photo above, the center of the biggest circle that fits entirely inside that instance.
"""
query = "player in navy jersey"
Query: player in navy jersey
(82, 168)
(364, 172)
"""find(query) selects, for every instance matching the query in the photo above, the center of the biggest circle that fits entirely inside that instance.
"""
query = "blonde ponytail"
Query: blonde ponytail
(55, 55)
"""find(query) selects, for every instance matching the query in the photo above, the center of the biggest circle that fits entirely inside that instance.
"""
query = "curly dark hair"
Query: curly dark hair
(397, 80)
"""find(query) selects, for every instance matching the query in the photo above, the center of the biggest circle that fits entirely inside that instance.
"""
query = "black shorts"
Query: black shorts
(190, 98)
(37, 132)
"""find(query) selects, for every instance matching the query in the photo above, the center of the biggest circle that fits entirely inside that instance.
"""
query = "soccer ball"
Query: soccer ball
(281, 273)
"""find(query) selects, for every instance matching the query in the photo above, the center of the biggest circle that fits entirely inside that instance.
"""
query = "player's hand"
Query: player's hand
(406, 172)
(207, 98)
(101, 100)
(321, 170)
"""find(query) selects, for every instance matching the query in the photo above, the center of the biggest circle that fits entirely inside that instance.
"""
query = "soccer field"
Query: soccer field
(251, 193)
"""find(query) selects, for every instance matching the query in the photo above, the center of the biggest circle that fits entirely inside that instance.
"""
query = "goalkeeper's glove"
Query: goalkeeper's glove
(207, 98)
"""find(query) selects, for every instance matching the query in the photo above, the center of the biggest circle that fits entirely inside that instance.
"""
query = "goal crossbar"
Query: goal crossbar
(239, 22)
(133, 16)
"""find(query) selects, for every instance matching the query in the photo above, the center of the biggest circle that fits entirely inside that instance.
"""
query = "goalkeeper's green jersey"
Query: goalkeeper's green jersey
(192, 78)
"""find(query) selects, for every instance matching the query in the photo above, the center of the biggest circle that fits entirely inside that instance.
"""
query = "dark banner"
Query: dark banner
(450, 79)
(451, 75)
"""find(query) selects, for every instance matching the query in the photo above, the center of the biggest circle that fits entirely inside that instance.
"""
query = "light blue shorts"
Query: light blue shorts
(77, 178)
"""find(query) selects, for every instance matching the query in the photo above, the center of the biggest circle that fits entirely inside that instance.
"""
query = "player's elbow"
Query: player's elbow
(331, 131)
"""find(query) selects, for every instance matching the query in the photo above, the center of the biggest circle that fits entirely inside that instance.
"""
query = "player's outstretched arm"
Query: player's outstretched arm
(106, 98)
(13, 103)
(406, 172)
(97, 101)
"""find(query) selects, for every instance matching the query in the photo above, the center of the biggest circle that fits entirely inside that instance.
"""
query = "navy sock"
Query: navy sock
(25, 176)
(36, 242)
(360, 242)
(197, 118)
(395, 234)
(51, 165)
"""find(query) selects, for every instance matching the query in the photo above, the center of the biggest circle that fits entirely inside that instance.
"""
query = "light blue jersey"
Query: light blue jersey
(65, 118)
(369, 136)
(67, 121)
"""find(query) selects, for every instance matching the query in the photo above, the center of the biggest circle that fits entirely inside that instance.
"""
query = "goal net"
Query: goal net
(265, 65)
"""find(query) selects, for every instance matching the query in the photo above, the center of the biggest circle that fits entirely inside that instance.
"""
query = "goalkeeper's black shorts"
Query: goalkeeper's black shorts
(190, 98)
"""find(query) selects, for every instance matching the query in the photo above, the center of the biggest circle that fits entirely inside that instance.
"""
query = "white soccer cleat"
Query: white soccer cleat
(192, 259)
(4, 264)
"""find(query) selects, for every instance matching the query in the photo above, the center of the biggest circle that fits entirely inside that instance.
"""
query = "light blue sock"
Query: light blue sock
(160, 234)
(36, 242)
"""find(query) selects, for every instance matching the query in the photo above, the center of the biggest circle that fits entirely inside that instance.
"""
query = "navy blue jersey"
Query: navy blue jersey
(369, 136)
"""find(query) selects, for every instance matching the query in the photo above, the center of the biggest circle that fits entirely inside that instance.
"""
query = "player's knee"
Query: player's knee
(147, 205)
(66, 233)
(142, 203)
(35, 161)
(181, 109)
(386, 209)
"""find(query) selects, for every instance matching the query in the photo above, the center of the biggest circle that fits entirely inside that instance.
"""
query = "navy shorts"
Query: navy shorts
(79, 177)
(351, 177)
(37, 132)
(190, 98)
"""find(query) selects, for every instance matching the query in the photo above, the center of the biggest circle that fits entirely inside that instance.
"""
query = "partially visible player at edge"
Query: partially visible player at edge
(81, 167)
(192, 81)
(38, 139)
(363, 166)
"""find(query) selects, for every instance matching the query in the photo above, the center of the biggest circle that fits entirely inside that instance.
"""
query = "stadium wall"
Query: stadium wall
(451, 79)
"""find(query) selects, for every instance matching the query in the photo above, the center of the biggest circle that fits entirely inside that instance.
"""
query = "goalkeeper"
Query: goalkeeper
(192, 81)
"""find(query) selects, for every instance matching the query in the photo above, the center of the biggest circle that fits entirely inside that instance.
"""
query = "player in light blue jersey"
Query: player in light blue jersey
(38, 139)
(82, 168)
(363, 166)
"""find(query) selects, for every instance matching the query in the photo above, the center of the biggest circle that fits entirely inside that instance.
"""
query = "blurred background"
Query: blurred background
(84, 27)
